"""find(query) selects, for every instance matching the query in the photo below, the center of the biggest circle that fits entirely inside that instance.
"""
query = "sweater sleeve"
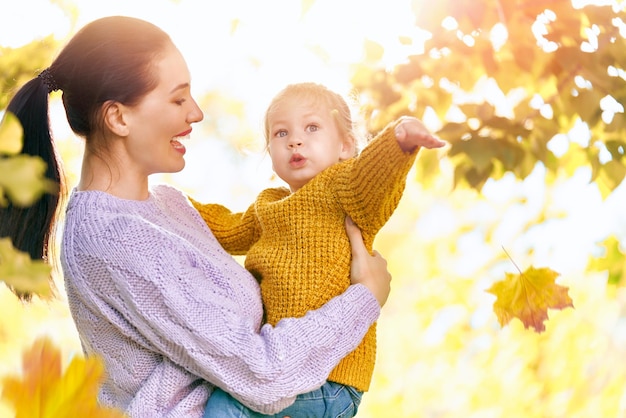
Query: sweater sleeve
(236, 232)
(172, 300)
(370, 186)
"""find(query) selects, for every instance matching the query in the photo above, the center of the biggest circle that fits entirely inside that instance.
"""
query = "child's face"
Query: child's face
(304, 140)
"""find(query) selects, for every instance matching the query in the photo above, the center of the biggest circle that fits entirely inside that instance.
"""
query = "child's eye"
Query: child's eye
(313, 128)
(280, 134)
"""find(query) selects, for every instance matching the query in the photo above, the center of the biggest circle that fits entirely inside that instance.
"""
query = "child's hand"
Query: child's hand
(411, 133)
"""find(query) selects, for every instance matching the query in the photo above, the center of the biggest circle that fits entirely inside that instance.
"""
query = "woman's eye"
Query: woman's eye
(180, 102)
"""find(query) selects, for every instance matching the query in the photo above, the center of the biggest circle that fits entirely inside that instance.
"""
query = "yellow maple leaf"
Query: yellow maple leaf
(45, 391)
(528, 296)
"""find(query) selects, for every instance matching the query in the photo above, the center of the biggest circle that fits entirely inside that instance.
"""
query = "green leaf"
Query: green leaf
(479, 155)
(21, 273)
(611, 175)
(23, 180)
(614, 261)
(11, 134)
(453, 131)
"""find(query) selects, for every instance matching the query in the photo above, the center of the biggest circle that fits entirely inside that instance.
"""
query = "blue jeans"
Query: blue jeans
(332, 400)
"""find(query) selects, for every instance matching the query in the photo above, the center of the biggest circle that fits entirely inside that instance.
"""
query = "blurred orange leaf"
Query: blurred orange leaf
(45, 391)
(528, 296)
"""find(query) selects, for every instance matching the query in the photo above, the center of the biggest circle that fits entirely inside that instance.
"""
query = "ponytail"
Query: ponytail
(31, 228)
(110, 58)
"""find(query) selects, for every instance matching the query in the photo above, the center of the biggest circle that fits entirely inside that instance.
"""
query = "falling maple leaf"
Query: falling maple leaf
(528, 296)
(45, 391)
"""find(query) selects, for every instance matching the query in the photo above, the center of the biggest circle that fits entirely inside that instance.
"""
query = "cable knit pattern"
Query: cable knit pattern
(172, 314)
(296, 245)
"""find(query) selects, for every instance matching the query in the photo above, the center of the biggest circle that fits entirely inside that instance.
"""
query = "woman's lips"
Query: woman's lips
(178, 146)
(184, 134)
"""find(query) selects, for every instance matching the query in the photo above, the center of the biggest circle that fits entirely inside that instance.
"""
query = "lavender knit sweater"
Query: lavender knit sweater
(172, 314)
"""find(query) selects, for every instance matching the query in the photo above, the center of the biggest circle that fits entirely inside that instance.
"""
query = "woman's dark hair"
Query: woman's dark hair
(110, 59)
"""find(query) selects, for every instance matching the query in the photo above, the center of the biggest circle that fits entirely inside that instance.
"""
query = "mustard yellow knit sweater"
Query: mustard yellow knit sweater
(296, 245)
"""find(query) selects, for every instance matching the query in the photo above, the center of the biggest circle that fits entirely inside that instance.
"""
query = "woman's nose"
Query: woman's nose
(196, 114)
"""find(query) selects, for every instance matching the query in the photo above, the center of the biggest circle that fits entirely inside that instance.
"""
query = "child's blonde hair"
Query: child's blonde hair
(316, 93)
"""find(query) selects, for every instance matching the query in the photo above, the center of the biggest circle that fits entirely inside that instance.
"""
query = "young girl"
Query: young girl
(294, 239)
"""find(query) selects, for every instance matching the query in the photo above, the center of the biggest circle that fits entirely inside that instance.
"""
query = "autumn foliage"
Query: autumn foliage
(504, 78)
(46, 390)
(527, 296)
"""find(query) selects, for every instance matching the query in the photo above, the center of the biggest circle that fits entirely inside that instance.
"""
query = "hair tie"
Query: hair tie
(48, 80)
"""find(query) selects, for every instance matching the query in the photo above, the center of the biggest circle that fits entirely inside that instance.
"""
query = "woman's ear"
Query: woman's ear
(114, 118)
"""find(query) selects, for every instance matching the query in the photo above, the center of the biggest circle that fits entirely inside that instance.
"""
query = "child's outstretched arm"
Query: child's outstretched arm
(411, 133)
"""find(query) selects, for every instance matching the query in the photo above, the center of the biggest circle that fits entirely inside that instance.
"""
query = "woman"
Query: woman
(150, 289)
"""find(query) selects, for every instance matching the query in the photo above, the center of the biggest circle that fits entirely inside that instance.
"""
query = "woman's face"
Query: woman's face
(162, 119)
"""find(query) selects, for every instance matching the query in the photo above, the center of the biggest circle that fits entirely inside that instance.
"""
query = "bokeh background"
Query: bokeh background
(469, 215)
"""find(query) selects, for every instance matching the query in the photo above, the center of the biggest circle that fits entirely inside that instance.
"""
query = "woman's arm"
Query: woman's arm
(181, 306)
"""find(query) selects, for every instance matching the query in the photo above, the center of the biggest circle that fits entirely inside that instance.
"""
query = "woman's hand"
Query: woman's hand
(368, 269)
